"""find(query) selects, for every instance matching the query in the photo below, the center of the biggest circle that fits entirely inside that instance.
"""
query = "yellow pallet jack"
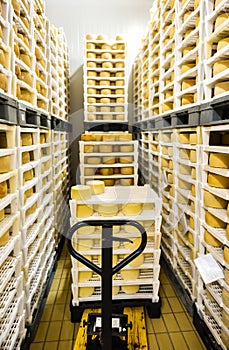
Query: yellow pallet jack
(106, 330)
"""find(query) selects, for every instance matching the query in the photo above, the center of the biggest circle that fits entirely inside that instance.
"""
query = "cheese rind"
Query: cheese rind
(219, 160)
(132, 209)
(83, 211)
(211, 240)
(213, 201)
(213, 221)
(218, 181)
(4, 238)
(5, 164)
(81, 192)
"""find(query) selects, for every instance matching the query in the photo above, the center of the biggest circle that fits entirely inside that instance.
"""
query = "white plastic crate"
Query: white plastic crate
(12, 291)
(33, 167)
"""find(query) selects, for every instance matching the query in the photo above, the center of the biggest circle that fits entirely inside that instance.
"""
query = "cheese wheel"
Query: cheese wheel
(25, 157)
(109, 182)
(119, 74)
(89, 171)
(91, 82)
(222, 43)
(119, 91)
(184, 154)
(105, 109)
(91, 55)
(84, 276)
(190, 238)
(219, 181)
(119, 117)
(106, 56)
(127, 170)
(108, 160)
(192, 222)
(187, 83)
(26, 139)
(91, 73)
(5, 165)
(184, 169)
(28, 194)
(226, 255)
(218, 160)
(186, 67)
(88, 148)
(211, 240)
(97, 186)
(132, 209)
(221, 19)
(104, 82)
(105, 148)
(227, 229)
(213, 221)
(85, 292)
(129, 275)
(220, 66)
(225, 318)
(193, 190)
(184, 185)
(83, 211)
(88, 137)
(137, 261)
(2, 214)
(31, 210)
(226, 275)
(4, 239)
(126, 148)
(3, 189)
(3, 82)
(184, 138)
(106, 171)
(221, 87)
(126, 160)
(107, 64)
(26, 59)
(107, 209)
(126, 182)
(225, 292)
(214, 201)
(28, 175)
(187, 98)
(93, 160)
(91, 64)
(80, 192)
(193, 156)
(105, 74)
(105, 91)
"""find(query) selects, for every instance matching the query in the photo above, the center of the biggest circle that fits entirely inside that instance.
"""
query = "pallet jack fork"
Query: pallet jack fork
(106, 330)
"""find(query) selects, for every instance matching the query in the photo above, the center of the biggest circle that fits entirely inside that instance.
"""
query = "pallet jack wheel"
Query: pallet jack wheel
(154, 309)
(76, 313)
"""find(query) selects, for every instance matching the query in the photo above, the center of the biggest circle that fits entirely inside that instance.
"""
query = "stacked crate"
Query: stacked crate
(5, 50)
(216, 81)
(105, 85)
(154, 65)
(66, 80)
(22, 50)
(189, 52)
(12, 323)
(212, 298)
(145, 77)
(143, 156)
(41, 61)
(139, 279)
(60, 181)
(167, 57)
(61, 62)
(111, 157)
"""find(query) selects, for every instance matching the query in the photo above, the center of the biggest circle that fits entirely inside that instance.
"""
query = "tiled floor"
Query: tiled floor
(173, 330)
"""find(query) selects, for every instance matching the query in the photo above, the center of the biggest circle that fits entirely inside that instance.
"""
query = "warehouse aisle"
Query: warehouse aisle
(174, 330)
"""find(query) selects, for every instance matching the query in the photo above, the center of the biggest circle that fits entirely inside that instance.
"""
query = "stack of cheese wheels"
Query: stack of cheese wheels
(97, 186)
(81, 192)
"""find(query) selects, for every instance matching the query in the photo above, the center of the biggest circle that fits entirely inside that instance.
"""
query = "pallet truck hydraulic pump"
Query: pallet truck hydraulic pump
(105, 330)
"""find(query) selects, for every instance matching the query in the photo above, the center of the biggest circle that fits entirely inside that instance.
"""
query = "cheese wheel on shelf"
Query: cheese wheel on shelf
(138, 261)
(219, 160)
(90, 46)
(213, 221)
(4, 239)
(119, 117)
(105, 148)
(129, 275)
(91, 55)
(220, 66)
(190, 238)
(187, 83)
(31, 210)
(221, 19)
(218, 181)
(222, 43)
(91, 73)
(186, 67)
(187, 99)
(107, 209)
(126, 148)
(119, 74)
(108, 160)
(127, 170)
(126, 182)
(119, 91)
(226, 258)
(107, 64)
(84, 276)
(89, 171)
(109, 182)
(185, 169)
(213, 201)
(184, 184)
(80, 192)
(221, 87)
(132, 209)
(193, 139)
(106, 171)
(211, 240)
(88, 137)
(91, 64)
(225, 318)
(85, 292)
(91, 82)
(126, 160)
(193, 156)
(105, 109)
(97, 186)
(93, 160)
(226, 275)
(2, 214)
(5, 165)
(83, 211)
(26, 139)
(28, 175)
(184, 138)
(3, 189)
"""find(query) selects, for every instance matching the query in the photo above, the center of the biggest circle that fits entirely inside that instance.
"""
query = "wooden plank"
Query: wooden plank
(81, 339)
(137, 337)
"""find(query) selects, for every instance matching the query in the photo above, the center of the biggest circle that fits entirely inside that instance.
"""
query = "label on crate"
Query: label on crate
(209, 269)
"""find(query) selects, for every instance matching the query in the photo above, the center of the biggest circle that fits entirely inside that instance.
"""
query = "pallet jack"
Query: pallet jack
(106, 331)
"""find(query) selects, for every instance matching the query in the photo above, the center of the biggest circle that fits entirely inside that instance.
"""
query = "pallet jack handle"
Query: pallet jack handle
(107, 271)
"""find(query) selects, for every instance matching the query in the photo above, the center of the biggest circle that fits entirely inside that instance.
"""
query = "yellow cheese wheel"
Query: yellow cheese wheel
(28, 194)
(222, 43)
(91, 82)
(106, 171)
(88, 148)
(226, 275)
(184, 137)
(219, 160)
(184, 185)
(3, 82)
(89, 171)
(119, 74)
(225, 318)
(97, 186)
(126, 182)
(88, 137)
(84, 276)
(193, 173)
(105, 74)
(221, 19)
(26, 139)
(93, 160)
(83, 211)
(108, 160)
(185, 169)
(220, 66)
(91, 64)
(91, 73)
(221, 87)
(109, 182)
(80, 192)
(107, 209)
(126, 160)
(88, 230)
(219, 181)
(2, 214)
(3, 189)
(105, 91)
(105, 148)
(213, 221)
(184, 154)
(129, 275)
(126, 148)
(193, 190)
(91, 55)
(107, 64)
(193, 156)
(193, 139)
(196, 4)
(127, 170)
(137, 261)
(187, 83)
(225, 292)
(214, 201)
(192, 222)
(190, 238)
(85, 292)
(211, 240)
(187, 99)
(125, 137)
(5, 164)
(105, 109)
(3, 58)
(4, 238)
(28, 175)
(227, 229)
(132, 209)
(32, 209)
(186, 67)
(226, 256)
(104, 82)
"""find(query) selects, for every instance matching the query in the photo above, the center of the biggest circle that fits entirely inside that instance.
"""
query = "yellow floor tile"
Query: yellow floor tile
(165, 307)
(47, 313)
(170, 322)
(158, 325)
(55, 284)
(65, 284)
(169, 290)
(164, 341)
(61, 297)
(58, 273)
(58, 312)
(193, 341)
(183, 322)
(36, 346)
(149, 325)
(51, 298)
(67, 313)
(67, 331)
(164, 278)
(175, 304)
(152, 342)
(66, 273)
(65, 345)
(51, 345)
(178, 341)
(41, 332)
(54, 331)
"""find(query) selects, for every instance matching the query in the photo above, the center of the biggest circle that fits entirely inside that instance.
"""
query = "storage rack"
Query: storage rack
(105, 85)
(181, 141)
